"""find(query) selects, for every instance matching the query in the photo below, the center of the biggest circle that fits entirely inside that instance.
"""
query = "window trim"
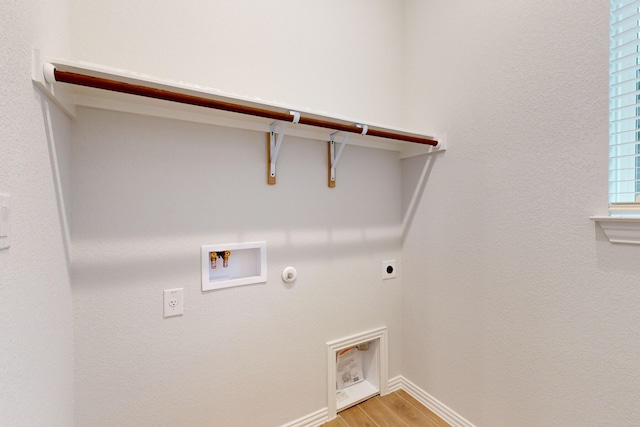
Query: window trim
(620, 229)
(623, 223)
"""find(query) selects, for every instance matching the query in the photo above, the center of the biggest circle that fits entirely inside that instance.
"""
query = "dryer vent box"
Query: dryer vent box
(366, 355)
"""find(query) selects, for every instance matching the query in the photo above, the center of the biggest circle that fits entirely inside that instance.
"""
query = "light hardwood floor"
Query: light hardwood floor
(397, 409)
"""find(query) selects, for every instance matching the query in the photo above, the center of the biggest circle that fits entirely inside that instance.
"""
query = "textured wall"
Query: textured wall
(147, 194)
(517, 311)
(36, 344)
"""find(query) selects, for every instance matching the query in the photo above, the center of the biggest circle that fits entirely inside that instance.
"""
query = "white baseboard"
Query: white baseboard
(396, 383)
(439, 408)
(312, 420)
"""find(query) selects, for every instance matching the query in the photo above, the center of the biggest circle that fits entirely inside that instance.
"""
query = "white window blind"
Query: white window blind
(624, 102)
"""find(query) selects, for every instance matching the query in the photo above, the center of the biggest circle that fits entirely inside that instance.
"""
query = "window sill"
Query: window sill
(624, 230)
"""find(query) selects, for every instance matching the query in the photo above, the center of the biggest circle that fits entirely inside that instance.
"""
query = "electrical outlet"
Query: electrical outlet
(389, 269)
(173, 302)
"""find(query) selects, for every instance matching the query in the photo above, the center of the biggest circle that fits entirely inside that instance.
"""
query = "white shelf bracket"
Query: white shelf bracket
(276, 136)
(334, 157)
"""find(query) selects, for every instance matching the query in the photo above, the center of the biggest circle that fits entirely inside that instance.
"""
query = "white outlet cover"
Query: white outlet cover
(173, 302)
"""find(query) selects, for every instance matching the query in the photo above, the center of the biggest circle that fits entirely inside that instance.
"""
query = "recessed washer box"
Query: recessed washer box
(233, 264)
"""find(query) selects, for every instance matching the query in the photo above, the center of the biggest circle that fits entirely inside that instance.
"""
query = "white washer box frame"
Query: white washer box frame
(251, 278)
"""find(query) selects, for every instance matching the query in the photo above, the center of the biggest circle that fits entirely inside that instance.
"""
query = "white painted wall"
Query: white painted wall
(36, 334)
(147, 194)
(331, 56)
(516, 310)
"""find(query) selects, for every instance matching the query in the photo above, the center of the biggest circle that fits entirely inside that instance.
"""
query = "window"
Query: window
(624, 102)
(622, 225)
